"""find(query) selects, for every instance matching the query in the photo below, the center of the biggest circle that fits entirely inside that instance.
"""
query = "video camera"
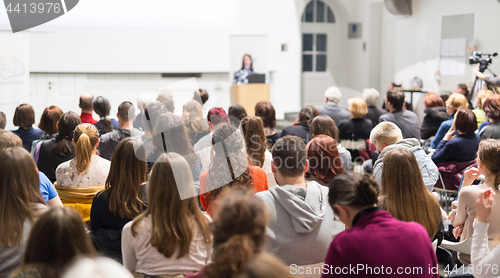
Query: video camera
(483, 59)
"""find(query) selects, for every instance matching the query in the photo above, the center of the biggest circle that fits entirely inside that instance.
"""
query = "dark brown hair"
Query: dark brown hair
(396, 98)
(167, 100)
(324, 159)
(124, 109)
(266, 111)
(306, 114)
(236, 111)
(290, 156)
(433, 100)
(325, 125)
(465, 120)
(243, 61)
(464, 88)
(24, 116)
(491, 107)
(67, 124)
(102, 106)
(49, 118)
(489, 154)
(255, 140)
(86, 103)
(202, 94)
(353, 189)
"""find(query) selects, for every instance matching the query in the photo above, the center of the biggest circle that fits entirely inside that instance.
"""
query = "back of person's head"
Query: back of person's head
(24, 116)
(371, 96)
(126, 111)
(143, 100)
(216, 116)
(3, 120)
(19, 189)
(396, 97)
(170, 135)
(49, 118)
(432, 100)
(445, 95)
(386, 133)
(290, 156)
(151, 113)
(99, 267)
(255, 139)
(265, 265)
(126, 175)
(404, 193)
(324, 124)
(167, 100)
(482, 95)
(239, 229)
(464, 89)
(102, 107)
(195, 121)
(65, 226)
(489, 155)
(86, 138)
(67, 124)
(324, 159)
(333, 94)
(238, 112)
(172, 207)
(353, 189)
(465, 120)
(306, 114)
(266, 111)
(201, 94)
(456, 101)
(86, 102)
(491, 107)
(9, 139)
(357, 107)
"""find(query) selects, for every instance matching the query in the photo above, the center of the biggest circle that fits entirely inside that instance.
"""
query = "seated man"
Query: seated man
(126, 129)
(301, 223)
(387, 136)
(406, 120)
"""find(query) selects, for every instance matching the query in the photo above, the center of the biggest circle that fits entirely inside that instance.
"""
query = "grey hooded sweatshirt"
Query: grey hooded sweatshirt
(301, 225)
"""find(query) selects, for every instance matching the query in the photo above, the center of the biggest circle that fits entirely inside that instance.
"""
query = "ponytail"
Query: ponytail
(67, 124)
(107, 125)
(255, 139)
(230, 257)
(86, 138)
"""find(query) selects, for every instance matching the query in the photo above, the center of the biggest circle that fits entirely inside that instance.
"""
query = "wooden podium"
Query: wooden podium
(248, 95)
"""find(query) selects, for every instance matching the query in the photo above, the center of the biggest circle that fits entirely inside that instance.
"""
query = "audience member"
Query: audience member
(324, 160)
(482, 95)
(149, 119)
(459, 148)
(126, 129)
(331, 108)
(201, 95)
(435, 114)
(357, 128)
(172, 235)
(464, 90)
(196, 126)
(3, 120)
(406, 120)
(102, 107)
(122, 200)
(387, 136)
(100, 267)
(266, 111)
(371, 97)
(86, 104)
(142, 102)
(300, 127)
(354, 199)
(24, 118)
(236, 113)
(301, 224)
(87, 169)
(323, 124)
(445, 95)
(404, 194)
(167, 101)
(454, 102)
(491, 109)
(48, 123)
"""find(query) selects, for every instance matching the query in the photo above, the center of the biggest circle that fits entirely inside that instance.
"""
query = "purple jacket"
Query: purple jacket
(379, 244)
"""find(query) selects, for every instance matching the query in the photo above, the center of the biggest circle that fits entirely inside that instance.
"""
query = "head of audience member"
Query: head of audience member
(19, 191)
(66, 127)
(86, 103)
(445, 95)
(385, 134)
(432, 100)
(393, 86)
(194, 122)
(306, 115)
(491, 107)
(126, 114)
(324, 159)
(239, 232)
(3, 120)
(9, 139)
(371, 96)
(482, 95)
(333, 94)
(255, 139)
(127, 174)
(143, 100)
(201, 95)
(324, 124)
(265, 265)
(289, 163)
(167, 100)
(357, 107)
(98, 267)
(462, 89)
(266, 111)
(172, 208)
(395, 100)
(411, 202)
(49, 118)
(465, 121)
(408, 106)
(24, 117)
(237, 113)
(151, 113)
(454, 102)
(71, 240)
(102, 107)
(247, 62)
(217, 117)
(86, 140)
(351, 193)
(488, 162)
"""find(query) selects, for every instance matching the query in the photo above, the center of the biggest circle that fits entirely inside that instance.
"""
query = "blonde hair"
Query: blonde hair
(482, 95)
(456, 101)
(357, 107)
(195, 123)
(386, 133)
(86, 138)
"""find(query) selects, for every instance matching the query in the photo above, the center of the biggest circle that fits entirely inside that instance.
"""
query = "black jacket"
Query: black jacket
(110, 140)
(432, 120)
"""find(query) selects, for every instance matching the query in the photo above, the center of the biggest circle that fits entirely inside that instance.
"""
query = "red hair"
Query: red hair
(217, 115)
(324, 159)
(433, 100)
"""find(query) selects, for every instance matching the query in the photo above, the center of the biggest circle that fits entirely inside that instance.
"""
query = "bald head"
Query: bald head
(86, 103)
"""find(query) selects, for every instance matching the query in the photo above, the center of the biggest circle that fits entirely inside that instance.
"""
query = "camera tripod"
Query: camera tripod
(478, 85)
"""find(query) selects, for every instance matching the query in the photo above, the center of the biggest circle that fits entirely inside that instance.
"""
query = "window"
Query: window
(318, 11)
(314, 48)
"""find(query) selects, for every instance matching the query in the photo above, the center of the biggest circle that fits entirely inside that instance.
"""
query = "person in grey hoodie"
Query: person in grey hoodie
(387, 136)
(301, 224)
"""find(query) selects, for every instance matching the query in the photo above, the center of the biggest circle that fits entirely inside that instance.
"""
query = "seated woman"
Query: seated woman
(102, 107)
(196, 126)
(24, 118)
(462, 218)
(482, 95)
(324, 160)
(454, 102)
(324, 124)
(491, 109)
(354, 199)
(404, 194)
(265, 110)
(172, 236)
(236, 113)
(461, 148)
(239, 231)
(123, 198)
(48, 123)
(357, 128)
(435, 114)
(300, 127)
(229, 167)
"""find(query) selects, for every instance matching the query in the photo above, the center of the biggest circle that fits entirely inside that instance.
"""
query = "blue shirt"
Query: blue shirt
(46, 187)
(462, 148)
(484, 124)
(28, 136)
(443, 129)
(100, 125)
